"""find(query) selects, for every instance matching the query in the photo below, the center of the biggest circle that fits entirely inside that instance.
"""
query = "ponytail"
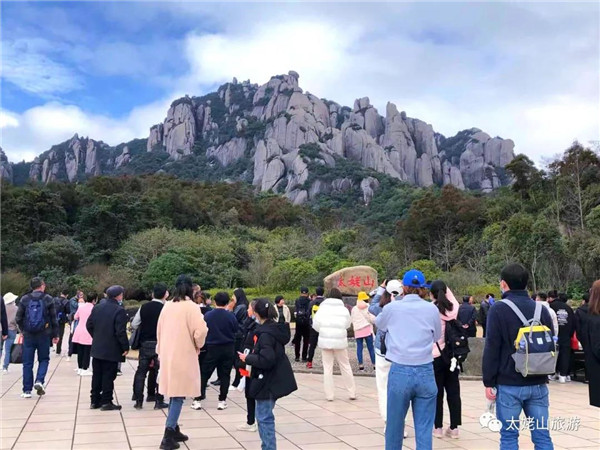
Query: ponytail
(264, 309)
(438, 290)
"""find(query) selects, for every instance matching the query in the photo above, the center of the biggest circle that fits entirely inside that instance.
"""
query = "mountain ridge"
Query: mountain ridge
(281, 139)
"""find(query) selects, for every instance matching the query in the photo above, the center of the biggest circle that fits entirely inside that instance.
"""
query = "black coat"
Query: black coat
(588, 333)
(4, 320)
(107, 325)
(566, 321)
(272, 375)
(467, 315)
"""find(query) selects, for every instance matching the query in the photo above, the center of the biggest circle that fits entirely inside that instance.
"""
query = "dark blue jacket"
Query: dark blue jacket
(49, 313)
(502, 329)
(222, 327)
(107, 325)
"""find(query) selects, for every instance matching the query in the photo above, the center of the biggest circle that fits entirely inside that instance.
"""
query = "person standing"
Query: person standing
(61, 304)
(180, 334)
(467, 316)
(566, 328)
(513, 391)
(10, 314)
(284, 315)
(36, 318)
(588, 333)
(541, 297)
(250, 328)
(412, 325)
(332, 321)
(272, 375)
(72, 307)
(81, 336)
(302, 316)
(446, 376)
(484, 308)
(146, 322)
(313, 337)
(222, 329)
(363, 329)
(107, 326)
(240, 310)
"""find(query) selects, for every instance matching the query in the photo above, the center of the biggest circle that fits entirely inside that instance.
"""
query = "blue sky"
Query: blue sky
(526, 71)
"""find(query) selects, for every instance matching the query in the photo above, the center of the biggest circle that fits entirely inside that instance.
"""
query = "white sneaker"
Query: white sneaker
(196, 404)
(4, 371)
(86, 373)
(252, 428)
(405, 434)
(232, 388)
(221, 406)
(39, 388)
(26, 395)
(79, 371)
(568, 377)
(68, 359)
(562, 379)
(553, 377)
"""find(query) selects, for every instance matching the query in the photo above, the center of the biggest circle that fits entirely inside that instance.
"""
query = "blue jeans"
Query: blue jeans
(266, 423)
(32, 343)
(406, 385)
(7, 346)
(359, 349)
(533, 400)
(175, 405)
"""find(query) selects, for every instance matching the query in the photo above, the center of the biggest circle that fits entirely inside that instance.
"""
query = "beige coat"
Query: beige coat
(180, 335)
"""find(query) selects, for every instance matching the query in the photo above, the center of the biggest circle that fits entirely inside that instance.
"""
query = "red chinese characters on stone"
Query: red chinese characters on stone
(354, 282)
(341, 282)
(369, 282)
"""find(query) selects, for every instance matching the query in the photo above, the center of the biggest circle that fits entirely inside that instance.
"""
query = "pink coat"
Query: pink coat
(450, 315)
(81, 335)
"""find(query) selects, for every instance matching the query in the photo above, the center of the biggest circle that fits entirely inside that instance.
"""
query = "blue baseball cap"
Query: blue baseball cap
(414, 278)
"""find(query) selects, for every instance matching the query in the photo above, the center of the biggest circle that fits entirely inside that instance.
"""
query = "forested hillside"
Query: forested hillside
(136, 230)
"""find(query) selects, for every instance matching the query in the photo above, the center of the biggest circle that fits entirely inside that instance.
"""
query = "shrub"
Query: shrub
(427, 266)
(61, 251)
(15, 282)
(292, 273)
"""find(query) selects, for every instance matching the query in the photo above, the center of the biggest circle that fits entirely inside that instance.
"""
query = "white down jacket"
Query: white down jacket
(332, 321)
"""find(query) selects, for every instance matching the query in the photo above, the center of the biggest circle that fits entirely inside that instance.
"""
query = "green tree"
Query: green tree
(61, 251)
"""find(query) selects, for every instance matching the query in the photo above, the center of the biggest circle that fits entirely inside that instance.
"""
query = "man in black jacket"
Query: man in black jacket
(107, 325)
(145, 321)
(515, 392)
(302, 315)
(566, 328)
(61, 304)
(313, 339)
(467, 315)
(36, 319)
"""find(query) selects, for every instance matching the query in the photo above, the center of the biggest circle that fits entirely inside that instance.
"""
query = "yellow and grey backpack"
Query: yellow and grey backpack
(536, 351)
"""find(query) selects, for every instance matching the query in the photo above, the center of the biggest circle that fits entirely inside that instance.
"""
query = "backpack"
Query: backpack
(457, 342)
(303, 315)
(535, 347)
(35, 313)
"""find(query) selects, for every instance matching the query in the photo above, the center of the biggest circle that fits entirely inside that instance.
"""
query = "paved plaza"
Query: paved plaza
(305, 420)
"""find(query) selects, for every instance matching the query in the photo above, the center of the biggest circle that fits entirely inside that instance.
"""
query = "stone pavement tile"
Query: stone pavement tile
(295, 428)
(63, 427)
(310, 438)
(7, 442)
(585, 432)
(156, 421)
(282, 444)
(103, 446)
(98, 428)
(11, 423)
(51, 417)
(345, 430)
(10, 432)
(365, 439)
(99, 438)
(327, 446)
(37, 436)
(316, 413)
(572, 441)
(213, 432)
(147, 440)
(215, 443)
(329, 420)
(480, 444)
(245, 436)
(43, 445)
(100, 418)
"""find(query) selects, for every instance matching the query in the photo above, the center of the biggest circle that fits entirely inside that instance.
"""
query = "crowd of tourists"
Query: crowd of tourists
(416, 334)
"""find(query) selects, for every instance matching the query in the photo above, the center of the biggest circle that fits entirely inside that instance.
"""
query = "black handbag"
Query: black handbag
(16, 351)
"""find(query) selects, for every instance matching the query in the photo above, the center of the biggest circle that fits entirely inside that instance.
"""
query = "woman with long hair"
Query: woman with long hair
(249, 340)
(446, 376)
(180, 334)
(240, 310)
(588, 333)
(272, 375)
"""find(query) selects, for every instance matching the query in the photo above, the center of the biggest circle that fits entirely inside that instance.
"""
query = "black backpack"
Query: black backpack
(303, 315)
(457, 342)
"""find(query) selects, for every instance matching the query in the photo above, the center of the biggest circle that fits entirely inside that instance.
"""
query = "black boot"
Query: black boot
(133, 397)
(151, 398)
(159, 404)
(168, 441)
(110, 407)
(139, 404)
(94, 405)
(179, 436)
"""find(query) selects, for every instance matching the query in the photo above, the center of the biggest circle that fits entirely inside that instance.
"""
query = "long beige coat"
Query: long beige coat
(180, 335)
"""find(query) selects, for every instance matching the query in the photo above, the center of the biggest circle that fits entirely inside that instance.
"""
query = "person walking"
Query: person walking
(363, 328)
(61, 305)
(220, 341)
(542, 298)
(566, 328)
(588, 333)
(411, 326)
(107, 325)
(313, 337)
(36, 319)
(250, 328)
(10, 314)
(146, 322)
(467, 316)
(272, 375)
(514, 392)
(72, 309)
(81, 336)
(283, 312)
(302, 316)
(332, 321)
(240, 310)
(446, 376)
(180, 334)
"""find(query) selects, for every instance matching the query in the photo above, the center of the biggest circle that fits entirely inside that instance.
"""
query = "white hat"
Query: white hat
(394, 287)
(9, 298)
